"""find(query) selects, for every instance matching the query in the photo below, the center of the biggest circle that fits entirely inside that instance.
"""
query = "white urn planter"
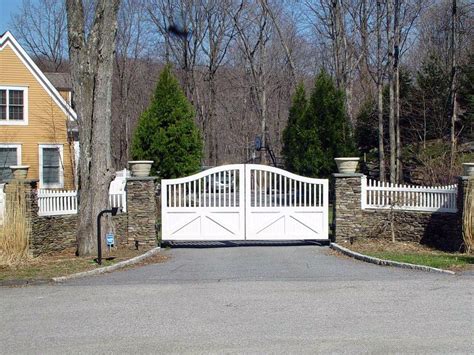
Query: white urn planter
(19, 171)
(347, 165)
(140, 168)
(468, 169)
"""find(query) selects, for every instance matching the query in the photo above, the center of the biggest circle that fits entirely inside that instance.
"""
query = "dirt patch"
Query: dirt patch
(65, 263)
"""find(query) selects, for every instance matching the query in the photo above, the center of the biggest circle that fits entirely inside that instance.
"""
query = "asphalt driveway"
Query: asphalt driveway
(258, 299)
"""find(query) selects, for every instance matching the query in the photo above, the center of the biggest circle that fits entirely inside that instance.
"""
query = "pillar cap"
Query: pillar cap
(351, 175)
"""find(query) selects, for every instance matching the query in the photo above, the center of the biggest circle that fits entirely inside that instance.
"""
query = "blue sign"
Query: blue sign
(109, 239)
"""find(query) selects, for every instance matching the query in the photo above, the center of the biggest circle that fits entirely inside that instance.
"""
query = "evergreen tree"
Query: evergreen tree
(166, 132)
(292, 133)
(433, 96)
(366, 127)
(327, 118)
(466, 97)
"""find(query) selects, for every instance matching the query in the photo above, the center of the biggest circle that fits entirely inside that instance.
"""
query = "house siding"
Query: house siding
(46, 121)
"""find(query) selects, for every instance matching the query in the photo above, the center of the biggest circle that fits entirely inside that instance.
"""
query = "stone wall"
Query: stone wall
(440, 230)
(56, 233)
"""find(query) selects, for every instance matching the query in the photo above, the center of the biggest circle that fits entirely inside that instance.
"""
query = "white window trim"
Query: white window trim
(61, 169)
(24, 121)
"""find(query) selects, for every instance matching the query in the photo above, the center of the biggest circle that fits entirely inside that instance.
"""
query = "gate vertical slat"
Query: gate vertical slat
(279, 190)
(234, 178)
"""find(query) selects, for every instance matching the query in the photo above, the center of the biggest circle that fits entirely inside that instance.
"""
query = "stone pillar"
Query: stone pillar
(347, 206)
(141, 211)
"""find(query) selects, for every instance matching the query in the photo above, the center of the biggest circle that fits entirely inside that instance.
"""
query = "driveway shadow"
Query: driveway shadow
(240, 243)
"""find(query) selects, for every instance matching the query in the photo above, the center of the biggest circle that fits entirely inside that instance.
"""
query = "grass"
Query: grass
(441, 261)
(65, 263)
(412, 253)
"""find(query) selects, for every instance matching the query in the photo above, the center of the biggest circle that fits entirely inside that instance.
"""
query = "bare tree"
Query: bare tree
(253, 28)
(130, 79)
(454, 105)
(41, 27)
(219, 32)
(284, 44)
(379, 83)
(92, 57)
(396, 88)
(391, 79)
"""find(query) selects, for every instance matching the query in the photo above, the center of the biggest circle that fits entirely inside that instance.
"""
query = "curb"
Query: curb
(110, 268)
(383, 262)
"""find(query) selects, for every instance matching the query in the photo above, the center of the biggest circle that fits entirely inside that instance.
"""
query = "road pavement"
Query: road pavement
(246, 299)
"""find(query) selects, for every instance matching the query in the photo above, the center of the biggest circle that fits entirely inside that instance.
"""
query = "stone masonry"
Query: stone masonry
(440, 230)
(56, 233)
(141, 208)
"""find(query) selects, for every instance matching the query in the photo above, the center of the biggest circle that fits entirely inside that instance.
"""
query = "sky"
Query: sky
(7, 7)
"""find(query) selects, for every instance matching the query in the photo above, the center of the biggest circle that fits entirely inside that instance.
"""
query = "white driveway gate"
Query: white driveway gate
(244, 202)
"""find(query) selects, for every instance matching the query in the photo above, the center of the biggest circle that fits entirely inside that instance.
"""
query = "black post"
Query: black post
(113, 211)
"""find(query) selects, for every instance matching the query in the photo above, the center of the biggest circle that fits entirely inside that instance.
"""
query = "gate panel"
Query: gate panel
(205, 206)
(284, 206)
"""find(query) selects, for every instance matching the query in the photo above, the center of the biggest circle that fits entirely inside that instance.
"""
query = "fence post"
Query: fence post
(347, 206)
(363, 191)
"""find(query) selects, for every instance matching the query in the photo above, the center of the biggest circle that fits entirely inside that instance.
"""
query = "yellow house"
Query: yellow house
(37, 123)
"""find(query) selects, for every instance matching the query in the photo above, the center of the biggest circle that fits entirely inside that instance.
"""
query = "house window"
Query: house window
(10, 154)
(51, 166)
(13, 105)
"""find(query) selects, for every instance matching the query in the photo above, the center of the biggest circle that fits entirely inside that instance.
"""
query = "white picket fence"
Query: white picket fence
(57, 202)
(385, 195)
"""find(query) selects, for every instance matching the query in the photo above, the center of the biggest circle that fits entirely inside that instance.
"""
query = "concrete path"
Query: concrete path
(266, 299)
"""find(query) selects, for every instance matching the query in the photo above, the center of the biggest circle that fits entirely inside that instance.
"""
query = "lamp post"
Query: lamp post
(113, 211)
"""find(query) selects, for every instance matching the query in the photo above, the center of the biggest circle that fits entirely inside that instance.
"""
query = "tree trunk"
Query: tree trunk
(287, 50)
(91, 70)
(211, 117)
(381, 130)
(380, 91)
(396, 70)
(454, 105)
(391, 117)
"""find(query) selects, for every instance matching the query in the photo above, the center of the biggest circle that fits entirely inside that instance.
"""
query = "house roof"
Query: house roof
(61, 81)
(7, 39)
